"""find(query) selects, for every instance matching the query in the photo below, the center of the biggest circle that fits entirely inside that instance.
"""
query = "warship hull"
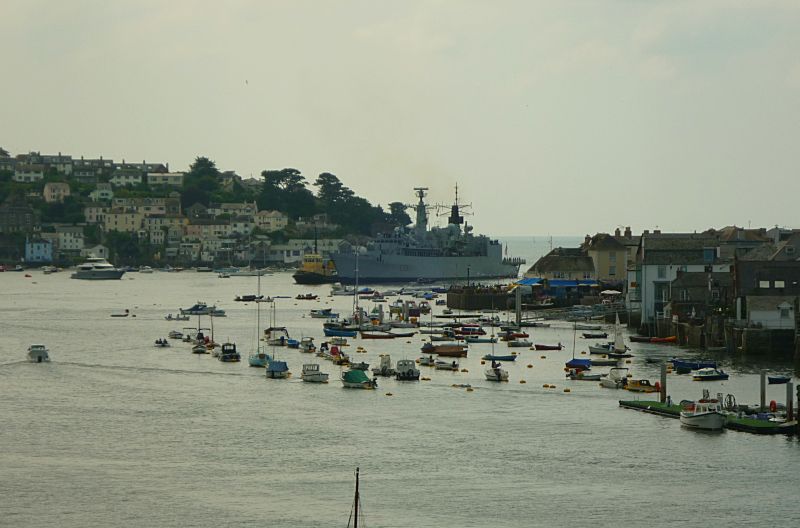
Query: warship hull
(402, 268)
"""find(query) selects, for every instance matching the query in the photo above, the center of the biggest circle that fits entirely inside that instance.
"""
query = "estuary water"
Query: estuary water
(115, 432)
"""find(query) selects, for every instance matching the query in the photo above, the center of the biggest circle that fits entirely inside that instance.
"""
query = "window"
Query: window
(612, 270)
(709, 254)
(662, 272)
(684, 295)
(790, 250)
(763, 284)
(780, 284)
(714, 295)
(612, 258)
(784, 313)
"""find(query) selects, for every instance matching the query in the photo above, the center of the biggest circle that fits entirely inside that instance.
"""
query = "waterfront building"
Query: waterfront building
(609, 256)
(233, 209)
(38, 250)
(95, 214)
(55, 192)
(563, 263)
(772, 312)
(99, 251)
(70, 240)
(659, 259)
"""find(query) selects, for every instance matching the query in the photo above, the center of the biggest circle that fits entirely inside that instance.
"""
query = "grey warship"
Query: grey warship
(420, 254)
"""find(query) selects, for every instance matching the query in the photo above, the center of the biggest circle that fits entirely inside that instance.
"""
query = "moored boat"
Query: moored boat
(228, 353)
(385, 368)
(670, 339)
(496, 373)
(548, 347)
(704, 414)
(500, 357)
(96, 268)
(312, 374)
(583, 375)
(778, 380)
(446, 365)
(406, 370)
(358, 379)
(595, 335)
(709, 374)
(445, 349)
(642, 385)
(616, 379)
(277, 369)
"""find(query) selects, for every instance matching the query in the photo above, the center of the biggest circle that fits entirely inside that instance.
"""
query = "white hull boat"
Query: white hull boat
(703, 414)
(312, 374)
(38, 354)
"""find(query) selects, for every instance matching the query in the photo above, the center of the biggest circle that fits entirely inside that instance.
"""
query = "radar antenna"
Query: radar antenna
(455, 212)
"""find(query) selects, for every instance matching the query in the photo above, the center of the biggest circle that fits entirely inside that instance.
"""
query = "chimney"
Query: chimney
(628, 232)
(616, 232)
(587, 240)
(646, 232)
(167, 166)
(656, 231)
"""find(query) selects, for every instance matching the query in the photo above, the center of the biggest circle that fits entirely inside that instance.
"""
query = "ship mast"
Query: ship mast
(421, 226)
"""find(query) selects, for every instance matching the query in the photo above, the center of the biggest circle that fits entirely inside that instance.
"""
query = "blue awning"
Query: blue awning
(529, 281)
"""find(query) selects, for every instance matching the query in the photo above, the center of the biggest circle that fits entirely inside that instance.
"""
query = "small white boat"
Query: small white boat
(162, 343)
(38, 354)
(199, 349)
(406, 370)
(47, 270)
(520, 343)
(386, 368)
(170, 317)
(703, 414)
(174, 334)
(312, 374)
(307, 345)
(145, 269)
(496, 373)
(583, 375)
(338, 341)
(446, 365)
(427, 361)
(580, 326)
(616, 378)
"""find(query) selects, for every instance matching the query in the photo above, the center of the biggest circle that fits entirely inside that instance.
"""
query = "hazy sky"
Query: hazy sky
(553, 117)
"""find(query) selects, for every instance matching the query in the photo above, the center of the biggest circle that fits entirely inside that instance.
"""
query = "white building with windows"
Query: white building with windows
(660, 257)
(771, 311)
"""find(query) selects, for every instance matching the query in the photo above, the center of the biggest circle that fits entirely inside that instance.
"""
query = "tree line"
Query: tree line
(287, 191)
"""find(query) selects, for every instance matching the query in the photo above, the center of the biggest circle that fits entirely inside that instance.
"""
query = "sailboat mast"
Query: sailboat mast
(355, 517)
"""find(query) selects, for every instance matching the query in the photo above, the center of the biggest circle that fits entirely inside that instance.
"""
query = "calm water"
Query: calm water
(115, 432)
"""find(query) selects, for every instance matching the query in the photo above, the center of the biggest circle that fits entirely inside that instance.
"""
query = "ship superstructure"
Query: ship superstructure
(420, 254)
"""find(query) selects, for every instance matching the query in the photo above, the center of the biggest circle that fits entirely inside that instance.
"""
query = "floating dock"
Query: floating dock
(747, 425)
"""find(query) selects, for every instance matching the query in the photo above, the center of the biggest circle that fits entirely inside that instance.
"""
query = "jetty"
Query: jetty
(736, 423)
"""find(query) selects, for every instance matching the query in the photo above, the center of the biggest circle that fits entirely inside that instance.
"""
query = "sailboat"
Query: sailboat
(356, 513)
(620, 350)
(276, 369)
(496, 373)
(577, 364)
(259, 358)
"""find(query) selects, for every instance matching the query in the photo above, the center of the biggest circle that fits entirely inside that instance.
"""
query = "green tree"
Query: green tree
(200, 182)
(398, 215)
(285, 190)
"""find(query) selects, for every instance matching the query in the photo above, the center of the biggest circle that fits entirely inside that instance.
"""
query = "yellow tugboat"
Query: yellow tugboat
(315, 270)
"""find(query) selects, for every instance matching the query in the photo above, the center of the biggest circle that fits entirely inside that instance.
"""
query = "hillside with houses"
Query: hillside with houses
(59, 208)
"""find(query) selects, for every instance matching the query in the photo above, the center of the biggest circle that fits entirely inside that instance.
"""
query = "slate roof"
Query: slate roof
(676, 248)
(605, 242)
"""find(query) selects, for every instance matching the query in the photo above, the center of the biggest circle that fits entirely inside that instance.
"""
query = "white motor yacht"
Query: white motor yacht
(703, 414)
(313, 374)
(96, 268)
